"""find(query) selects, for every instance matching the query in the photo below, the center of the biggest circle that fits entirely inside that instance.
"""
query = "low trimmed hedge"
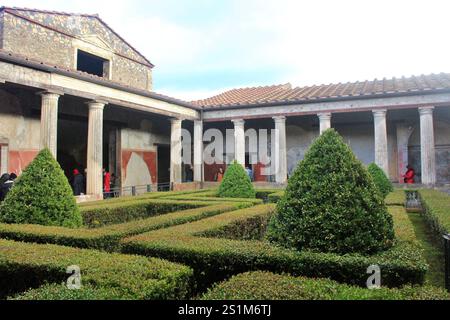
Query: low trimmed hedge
(269, 286)
(106, 214)
(25, 265)
(107, 238)
(145, 196)
(396, 198)
(253, 228)
(211, 199)
(436, 205)
(215, 259)
(275, 197)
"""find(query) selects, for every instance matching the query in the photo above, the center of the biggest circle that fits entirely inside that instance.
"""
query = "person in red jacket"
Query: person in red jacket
(409, 175)
(106, 184)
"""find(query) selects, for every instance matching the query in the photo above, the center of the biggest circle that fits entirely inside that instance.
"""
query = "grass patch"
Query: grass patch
(433, 252)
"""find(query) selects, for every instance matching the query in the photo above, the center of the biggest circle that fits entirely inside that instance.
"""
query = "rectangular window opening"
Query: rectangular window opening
(92, 64)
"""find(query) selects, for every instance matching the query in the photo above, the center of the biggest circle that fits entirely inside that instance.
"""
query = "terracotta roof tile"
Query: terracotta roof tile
(284, 93)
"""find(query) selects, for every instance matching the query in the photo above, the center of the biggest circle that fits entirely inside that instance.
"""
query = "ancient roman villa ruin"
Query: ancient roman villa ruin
(69, 83)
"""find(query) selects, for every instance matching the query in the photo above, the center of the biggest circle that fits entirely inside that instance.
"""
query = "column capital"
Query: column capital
(238, 122)
(324, 115)
(175, 121)
(50, 93)
(279, 118)
(379, 112)
(96, 104)
(426, 110)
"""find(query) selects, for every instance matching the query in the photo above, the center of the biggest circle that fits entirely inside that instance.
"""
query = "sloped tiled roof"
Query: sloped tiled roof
(17, 12)
(279, 94)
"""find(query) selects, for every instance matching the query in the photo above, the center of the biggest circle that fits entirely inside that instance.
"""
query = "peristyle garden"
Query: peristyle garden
(317, 239)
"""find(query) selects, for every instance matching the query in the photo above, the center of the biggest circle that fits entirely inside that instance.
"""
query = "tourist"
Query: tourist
(189, 173)
(7, 185)
(249, 172)
(409, 175)
(77, 183)
(106, 184)
(3, 179)
(219, 175)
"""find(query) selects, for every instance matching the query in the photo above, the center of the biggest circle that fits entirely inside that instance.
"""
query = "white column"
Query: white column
(175, 151)
(4, 159)
(239, 141)
(381, 144)
(427, 151)
(280, 150)
(49, 121)
(198, 150)
(325, 121)
(94, 182)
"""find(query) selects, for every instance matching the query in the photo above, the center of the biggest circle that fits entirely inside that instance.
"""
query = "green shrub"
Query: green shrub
(268, 286)
(42, 195)
(108, 237)
(212, 199)
(25, 265)
(214, 259)
(436, 205)
(397, 198)
(236, 183)
(331, 204)
(100, 215)
(275, 197)
(145, 196)
(382, 182)
(253, 228)
(55, 291)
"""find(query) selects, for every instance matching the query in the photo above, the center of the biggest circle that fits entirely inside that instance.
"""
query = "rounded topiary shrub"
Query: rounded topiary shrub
(41, 195)
(331, 204)
(236, 183)
(382, 182)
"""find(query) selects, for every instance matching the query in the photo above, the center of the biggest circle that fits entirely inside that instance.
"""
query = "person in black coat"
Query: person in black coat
(3, 179)
(6, 185)
(78, 183)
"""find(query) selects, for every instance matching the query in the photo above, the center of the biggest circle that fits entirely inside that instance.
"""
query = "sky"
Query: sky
(204, 47)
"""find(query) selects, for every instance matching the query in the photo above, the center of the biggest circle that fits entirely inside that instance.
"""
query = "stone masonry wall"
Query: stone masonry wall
(43, 44)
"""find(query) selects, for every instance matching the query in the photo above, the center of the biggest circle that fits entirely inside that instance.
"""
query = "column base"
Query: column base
(88, 198)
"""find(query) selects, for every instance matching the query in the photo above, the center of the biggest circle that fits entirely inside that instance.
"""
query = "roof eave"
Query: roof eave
(38, 66)
(331, 99)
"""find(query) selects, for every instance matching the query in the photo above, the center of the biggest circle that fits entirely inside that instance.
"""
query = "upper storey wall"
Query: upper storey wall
(59, 37)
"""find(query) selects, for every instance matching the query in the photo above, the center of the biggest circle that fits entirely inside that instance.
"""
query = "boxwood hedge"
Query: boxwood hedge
(436, 205)
(100, 215)
(145, 196)
(268, 286)
(25, 265)
(214, 259)
(107, 238)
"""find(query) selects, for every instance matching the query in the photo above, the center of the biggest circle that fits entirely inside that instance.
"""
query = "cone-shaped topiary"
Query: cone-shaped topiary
(236, 183)
(331, 204)
(41, 195)
(382, 182)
